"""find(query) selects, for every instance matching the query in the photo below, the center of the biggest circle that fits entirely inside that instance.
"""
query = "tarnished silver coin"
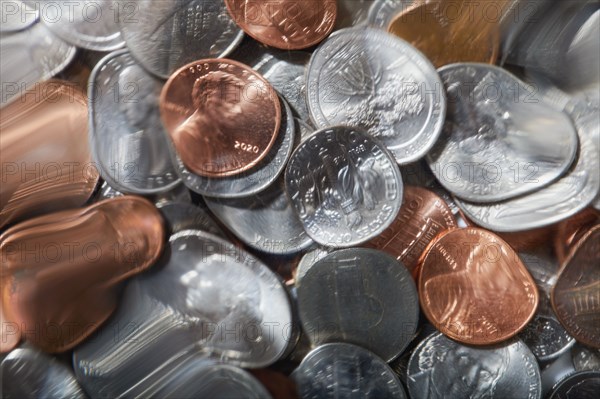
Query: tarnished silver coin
(558, 201)
(585, 358)
(128, 141)
(360, 296)
(180, 216)
(352, 13)
(581, 385)
(500, 140)
(166, 35)
(265, 221)
(442, 368)
(28, 57)
(370, 79)
(90, 24)
(345, 187)
(340, 370)
(27, 373)
(252, 181)
(382, 12)
(206, 297)
(15, 15)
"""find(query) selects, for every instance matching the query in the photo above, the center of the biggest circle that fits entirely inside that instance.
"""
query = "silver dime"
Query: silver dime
(499, 140)
(345, 187)
(206, 297)
(90, 24)
(580, 385)
(166, 35)
(28, 57)
(253, 180)
(442, 368)
(340, 370)
(383, 11)
(360, 296)
(368, 78)
(128, 140)
(558, 201)
(28, 373)
(546, 337)
(180, 216)
(15, 15)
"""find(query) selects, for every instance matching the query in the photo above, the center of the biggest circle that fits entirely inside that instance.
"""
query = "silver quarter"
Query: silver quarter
(345, 187)
(352, 13)
(90, 24)
(251, 181)
(128, 140)
(15, 15)
(265, 221)
(340, 370)
(558, 201)
(360, 296)
(370, 79)
(180, 216)
(28, 373)
(382, 12)
(166, 35)
(28, 57)
(499, 140)
(442, 368)
(206, 298)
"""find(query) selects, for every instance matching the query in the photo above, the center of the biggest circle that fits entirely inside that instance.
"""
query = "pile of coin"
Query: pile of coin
(300, 198)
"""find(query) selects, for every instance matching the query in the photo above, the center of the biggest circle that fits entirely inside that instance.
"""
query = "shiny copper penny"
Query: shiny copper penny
(222, 116)
(422, 217)
(61, 272)
(474, 288)
(46, 160)
(451, 31)
(570, 231)
(285, 24)
(576, 295)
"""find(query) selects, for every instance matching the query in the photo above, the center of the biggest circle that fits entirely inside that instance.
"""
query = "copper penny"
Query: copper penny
(60, 272)
(285, 24)
(451, 31)
(571, 230)
(474, 288)
(222, 116)
(422, 217)
(576, 295)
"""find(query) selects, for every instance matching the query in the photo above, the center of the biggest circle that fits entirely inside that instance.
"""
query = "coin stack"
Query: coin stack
(300, 199)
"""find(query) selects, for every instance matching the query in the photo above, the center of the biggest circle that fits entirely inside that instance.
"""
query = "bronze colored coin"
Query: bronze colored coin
(285, 24)
(450, 31)
(474, 288)
(576, 295)
(61, 272)
(422, 217)
(10, 334)
(528, 239)
(222, 116)
(571, 230)
(46, 159)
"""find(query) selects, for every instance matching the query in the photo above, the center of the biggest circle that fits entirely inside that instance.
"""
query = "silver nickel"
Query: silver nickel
(500, 140)
(360, 296)
(166, 35)
(339, 370)
(442, 368)
(345, 187)
(370, 79)
(90, 24)
(16, 15)
(128, 141)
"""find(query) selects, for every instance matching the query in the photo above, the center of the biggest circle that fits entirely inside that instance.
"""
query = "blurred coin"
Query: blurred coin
(126, 134)
(15, 15)
(90, 24)
(367, 78)
(345, 187)
(222, 116)
(546, 337)
(576, 295)
(180, 216)
(352, 13)
(308, 261)
(442, 368)
(499, 140)
(166, 35)
(382, 12)
(28, 373)
(585, 358)
(10, 333)
(581, 385)
(423, 216)
(570, 231)
(252, 181)
(474, 288)
(285, 24)
(342, 370)
(30, 56)
(359, 296)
